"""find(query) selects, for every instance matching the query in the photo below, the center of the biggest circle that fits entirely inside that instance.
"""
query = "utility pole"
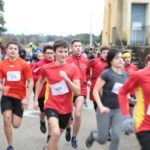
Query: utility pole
(91, 37)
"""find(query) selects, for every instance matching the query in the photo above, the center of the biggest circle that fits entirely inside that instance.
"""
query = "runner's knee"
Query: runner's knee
(55, 135)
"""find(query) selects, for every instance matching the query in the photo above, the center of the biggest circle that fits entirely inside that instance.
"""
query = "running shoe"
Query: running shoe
(74, 142)
(10, 147)
(68, 134)
(89, 141)
(43, 127)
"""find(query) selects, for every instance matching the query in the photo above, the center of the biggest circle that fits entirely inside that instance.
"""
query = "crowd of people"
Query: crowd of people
(59, 81)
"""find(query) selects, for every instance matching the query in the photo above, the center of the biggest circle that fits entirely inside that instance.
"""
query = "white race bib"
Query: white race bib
(116, 87)
(59, 88)
(13, 76)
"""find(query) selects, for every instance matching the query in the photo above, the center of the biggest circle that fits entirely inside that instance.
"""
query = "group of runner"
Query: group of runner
(60, 81)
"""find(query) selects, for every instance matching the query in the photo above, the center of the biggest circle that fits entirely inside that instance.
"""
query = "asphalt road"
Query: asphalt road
(29, 137)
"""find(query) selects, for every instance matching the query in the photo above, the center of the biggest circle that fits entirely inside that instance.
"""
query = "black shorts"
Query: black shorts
(11, 103)
(41, 103)
(144, 139)
(63, 119)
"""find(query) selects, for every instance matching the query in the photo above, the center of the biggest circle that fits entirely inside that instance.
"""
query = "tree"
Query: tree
(2, 20)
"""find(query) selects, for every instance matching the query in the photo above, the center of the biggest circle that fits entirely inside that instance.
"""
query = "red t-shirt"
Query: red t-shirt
(97, 65)
(83, 64)
(140, 80)
(62, 103)
(130, 69)
(36, 70)
(15, 75)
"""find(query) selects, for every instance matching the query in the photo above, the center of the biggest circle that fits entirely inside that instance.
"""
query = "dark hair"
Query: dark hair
(47, 47)
(111, 54)
(60, 43)
(147, 58)
(15, 43)
(75, 40)
(104, 48)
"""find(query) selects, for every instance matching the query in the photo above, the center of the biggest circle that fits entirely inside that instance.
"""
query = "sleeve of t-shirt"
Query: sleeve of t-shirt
(36, 71)
(76, 73)
(42, 72)
(27, 71)
(104, 75)
(130, 84)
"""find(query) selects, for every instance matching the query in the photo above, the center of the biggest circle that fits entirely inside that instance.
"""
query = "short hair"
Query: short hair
(75, 40)
(47, 47)
(104, 48)
(60, 43)
(15, 43)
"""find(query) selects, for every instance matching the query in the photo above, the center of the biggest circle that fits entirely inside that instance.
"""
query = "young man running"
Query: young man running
(130, 68)
(97, 65)
(62, 80)
(81, 61)
(14, 73)
(48, 54)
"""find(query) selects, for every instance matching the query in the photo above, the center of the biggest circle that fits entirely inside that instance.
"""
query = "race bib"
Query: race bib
(116, 87)
(13, 76)
(59, 88)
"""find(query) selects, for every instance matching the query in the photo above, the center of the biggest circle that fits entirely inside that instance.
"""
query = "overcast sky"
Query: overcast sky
(54, 17)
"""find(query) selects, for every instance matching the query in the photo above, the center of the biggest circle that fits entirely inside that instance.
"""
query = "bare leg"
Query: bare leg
(7, 119)
(77, 115)
(55, 133)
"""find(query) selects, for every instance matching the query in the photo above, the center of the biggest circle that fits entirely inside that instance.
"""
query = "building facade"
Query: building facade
(126, 22)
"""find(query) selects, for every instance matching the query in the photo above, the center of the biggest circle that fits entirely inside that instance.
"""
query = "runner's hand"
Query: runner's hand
(36, 105)
(104, 110)
(5, 89)
(24, 103)
(64, 75)
(132, 101)
(89, 83)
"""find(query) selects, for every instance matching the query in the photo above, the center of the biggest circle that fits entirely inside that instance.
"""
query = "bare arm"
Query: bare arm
(28, 92)
(96, 93)
(3, 88)
(38, 88)
(74, 85)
